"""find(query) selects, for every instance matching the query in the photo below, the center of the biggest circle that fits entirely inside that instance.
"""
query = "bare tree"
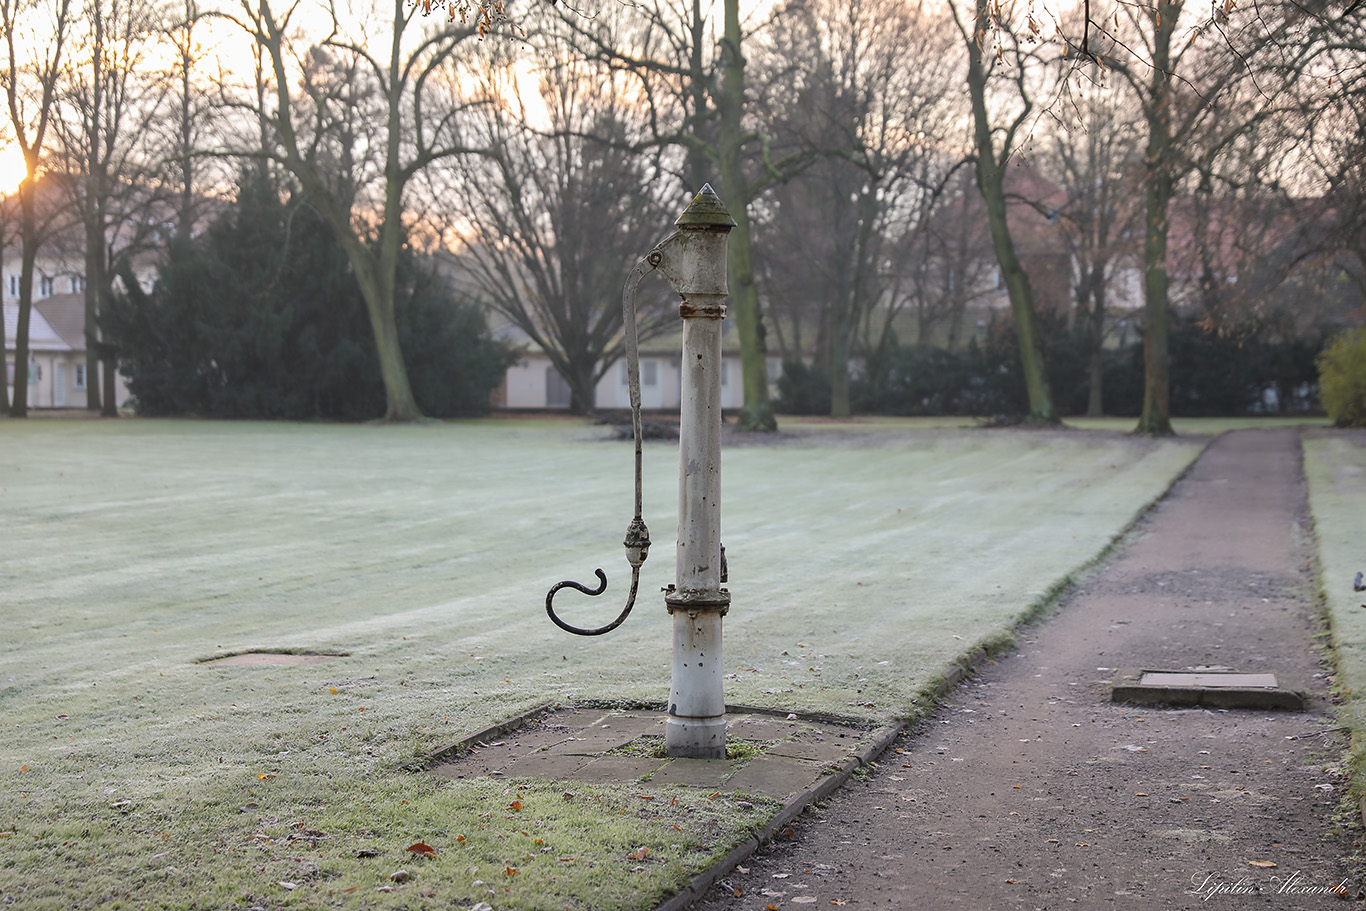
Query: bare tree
(556, 219)
(943, 259)
(1097, 154)
(35, 34)
(354, 167)
(1200, 84)
(110, 101)
(694, 86)
(866, 85)
(994, 146)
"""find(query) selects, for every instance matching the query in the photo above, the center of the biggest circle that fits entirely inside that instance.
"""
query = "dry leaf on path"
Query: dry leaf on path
(1262, 863)
(422, 848)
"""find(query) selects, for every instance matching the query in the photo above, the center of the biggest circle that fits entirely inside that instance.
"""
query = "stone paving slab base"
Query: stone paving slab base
(1204, 688)
(799, 760)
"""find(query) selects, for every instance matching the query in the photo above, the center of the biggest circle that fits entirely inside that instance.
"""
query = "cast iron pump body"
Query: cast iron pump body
(693, 261)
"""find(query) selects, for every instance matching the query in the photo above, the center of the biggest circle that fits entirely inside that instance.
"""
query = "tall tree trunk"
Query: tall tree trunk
(840, 330)
(110, 362)
(400, 404)
(744, 296)
(4, 366)
(991, 182)
(1155, 420)
(94, 281)
(1095, 337)
(28, 253)
(852, 302)
(699, 165)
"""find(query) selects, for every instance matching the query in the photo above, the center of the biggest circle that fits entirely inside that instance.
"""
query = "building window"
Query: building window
(725, 371)
(80, 376)
(649, 373)
(13, 285)
(46, 285)
(77, 283)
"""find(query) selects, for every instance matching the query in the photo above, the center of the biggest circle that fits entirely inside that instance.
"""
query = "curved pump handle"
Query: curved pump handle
(637, 535)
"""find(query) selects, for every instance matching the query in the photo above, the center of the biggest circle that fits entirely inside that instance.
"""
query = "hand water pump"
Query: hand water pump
(693, 261)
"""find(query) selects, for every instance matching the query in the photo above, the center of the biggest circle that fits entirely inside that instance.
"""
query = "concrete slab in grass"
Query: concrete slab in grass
(815, 749)
(696, 773)
(609, 769)
(546, 764)
(761, 727)
(610, 731)
(1215, 689)
(777, 776)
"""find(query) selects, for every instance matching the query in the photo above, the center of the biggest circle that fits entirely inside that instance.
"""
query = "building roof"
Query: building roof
(41, 335)
(65, 313)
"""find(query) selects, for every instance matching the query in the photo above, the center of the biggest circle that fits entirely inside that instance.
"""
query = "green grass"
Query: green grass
(1335, 466)
(133, 775)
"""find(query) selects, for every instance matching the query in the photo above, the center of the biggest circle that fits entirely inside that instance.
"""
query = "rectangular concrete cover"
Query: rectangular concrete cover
(1208, 680)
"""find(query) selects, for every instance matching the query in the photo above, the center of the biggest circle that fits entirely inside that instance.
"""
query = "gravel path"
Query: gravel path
(1029, 788)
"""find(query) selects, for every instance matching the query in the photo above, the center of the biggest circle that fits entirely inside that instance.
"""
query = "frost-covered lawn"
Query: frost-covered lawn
(1335, 466)
(132, 775)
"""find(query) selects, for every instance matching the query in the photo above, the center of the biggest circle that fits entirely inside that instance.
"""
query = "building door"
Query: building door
(58, 384)
(557, 393)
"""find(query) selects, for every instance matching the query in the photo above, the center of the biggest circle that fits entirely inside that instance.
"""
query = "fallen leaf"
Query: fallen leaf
(781, 875)
(515, 805)
(645, 797)
(839, 901)
(770, 908)
(422, 848)
(804, 900)
(350, 890)
(290, 886)
(1013, 882)
(511, 871)
(640, 853)
(368, 852)
(1262, 863)
(266, 776)
(1140, 793)
(460, 838)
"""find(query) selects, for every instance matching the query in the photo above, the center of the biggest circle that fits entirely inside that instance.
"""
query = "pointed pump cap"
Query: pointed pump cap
(706, 211)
